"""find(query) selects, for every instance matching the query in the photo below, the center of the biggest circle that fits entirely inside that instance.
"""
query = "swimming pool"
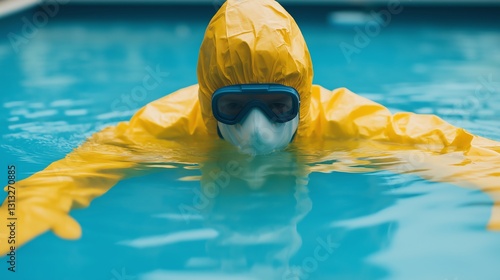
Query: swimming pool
(76, 75)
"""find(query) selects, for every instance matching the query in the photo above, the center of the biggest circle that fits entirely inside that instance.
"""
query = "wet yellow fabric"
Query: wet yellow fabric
(252, 42)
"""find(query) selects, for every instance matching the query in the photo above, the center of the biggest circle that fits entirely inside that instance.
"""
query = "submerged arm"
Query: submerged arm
(43, 200)
(425, 145)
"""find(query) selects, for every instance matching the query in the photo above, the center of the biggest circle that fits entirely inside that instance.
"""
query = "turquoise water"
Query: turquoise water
(75, 76)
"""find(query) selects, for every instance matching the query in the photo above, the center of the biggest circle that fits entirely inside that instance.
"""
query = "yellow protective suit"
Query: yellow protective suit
(252, 42)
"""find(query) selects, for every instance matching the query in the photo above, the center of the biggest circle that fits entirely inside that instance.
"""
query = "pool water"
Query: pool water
(315, 213)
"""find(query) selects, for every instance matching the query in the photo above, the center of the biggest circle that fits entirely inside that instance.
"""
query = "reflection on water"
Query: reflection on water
(253, 217)
(332, 209)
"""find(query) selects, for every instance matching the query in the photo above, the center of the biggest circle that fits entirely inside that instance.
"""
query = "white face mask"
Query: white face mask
(257, 135)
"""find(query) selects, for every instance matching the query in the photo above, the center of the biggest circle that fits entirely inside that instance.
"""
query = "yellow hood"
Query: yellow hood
(253, 41)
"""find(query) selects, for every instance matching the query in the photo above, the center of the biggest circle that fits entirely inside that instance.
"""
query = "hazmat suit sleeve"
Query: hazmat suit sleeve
(43, 200)
(174, 116)
(425, 144)
(342, 114)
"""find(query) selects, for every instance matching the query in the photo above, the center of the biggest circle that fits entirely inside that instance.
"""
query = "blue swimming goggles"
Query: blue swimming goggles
(231, 104)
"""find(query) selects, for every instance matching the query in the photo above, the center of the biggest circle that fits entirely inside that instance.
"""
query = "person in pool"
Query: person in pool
(255, 91)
